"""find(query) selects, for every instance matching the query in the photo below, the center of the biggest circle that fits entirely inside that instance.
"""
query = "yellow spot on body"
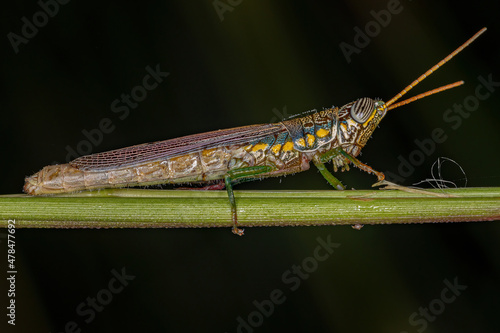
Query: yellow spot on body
(276, 149)
(321, 133)
(301, 142)
(208, 152)
(260, 146)
(310, 139)
(288, 146)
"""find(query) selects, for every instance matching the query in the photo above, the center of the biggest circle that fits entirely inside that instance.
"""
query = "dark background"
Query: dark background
(262, 56)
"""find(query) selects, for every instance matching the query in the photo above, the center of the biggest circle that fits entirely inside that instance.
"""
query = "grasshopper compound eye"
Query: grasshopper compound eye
(362, 109)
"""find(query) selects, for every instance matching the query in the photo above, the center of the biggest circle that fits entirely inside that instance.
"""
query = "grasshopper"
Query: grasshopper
(224, 158)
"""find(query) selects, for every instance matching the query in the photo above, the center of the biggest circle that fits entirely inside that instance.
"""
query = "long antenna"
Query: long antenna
(425, 94)
(430, 71)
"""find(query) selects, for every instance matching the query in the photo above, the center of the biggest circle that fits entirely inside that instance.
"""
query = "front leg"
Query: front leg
(362, 166)
(319, 161)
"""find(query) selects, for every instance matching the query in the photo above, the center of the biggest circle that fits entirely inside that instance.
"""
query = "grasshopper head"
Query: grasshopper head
(364, 115)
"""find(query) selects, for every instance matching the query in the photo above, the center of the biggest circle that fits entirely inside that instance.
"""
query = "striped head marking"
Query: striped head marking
(367, 113)
(365, 109)
(362, 109)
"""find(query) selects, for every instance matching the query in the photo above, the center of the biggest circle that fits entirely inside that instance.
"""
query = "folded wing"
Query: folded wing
(160, 150)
